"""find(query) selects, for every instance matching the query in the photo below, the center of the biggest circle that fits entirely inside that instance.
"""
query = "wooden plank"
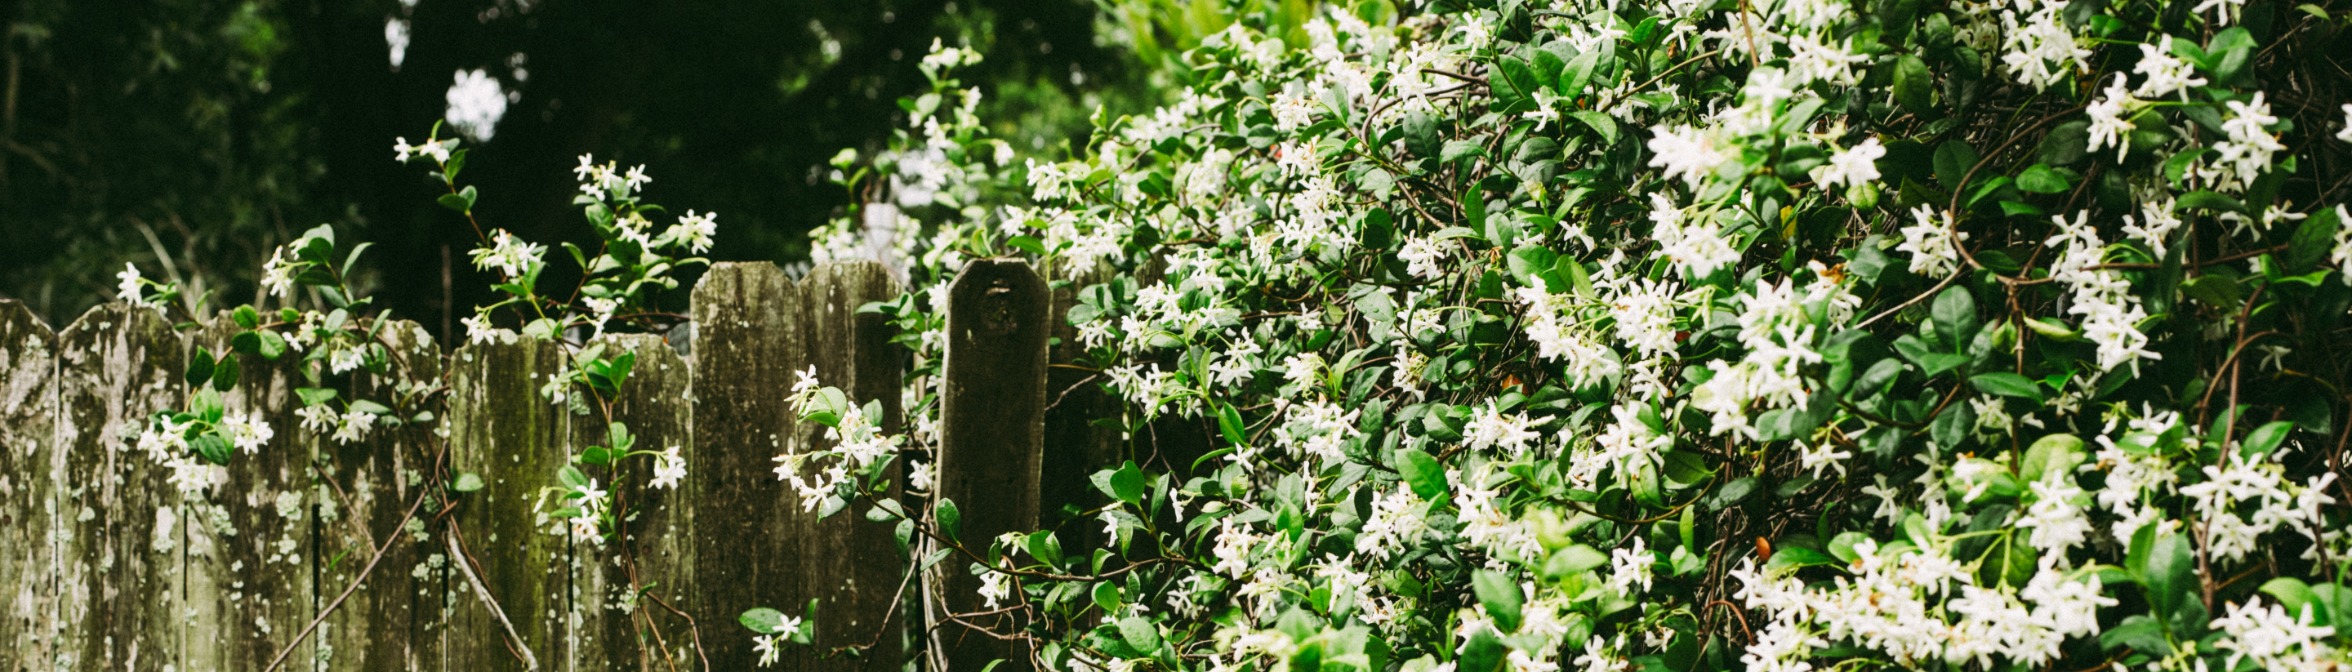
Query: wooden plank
(748, 344)
(399, 618)
(991, 433)
(619, 629)
(118, 595)
(853, 564)
(28, 496)
(500, 429)
(245, 550)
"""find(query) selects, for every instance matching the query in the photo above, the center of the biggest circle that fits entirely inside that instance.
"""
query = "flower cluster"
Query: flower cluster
(1787, 335)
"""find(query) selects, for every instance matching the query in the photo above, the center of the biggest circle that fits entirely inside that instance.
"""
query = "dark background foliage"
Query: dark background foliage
(192, 136)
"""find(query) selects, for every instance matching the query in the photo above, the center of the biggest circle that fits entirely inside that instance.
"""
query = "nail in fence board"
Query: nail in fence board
(991, 433)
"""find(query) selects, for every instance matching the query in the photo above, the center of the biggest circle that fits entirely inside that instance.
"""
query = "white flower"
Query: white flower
(2042, 50)
(668, 468)
(277, 275)
(2155, 224)
(694, 230)
(1292, 112)
(248, 433)
(1934, 251)
(510, 255)
(2108, 125)
(993, 587)
(1491, 429)
(129, 286)
(1852, 166)
(353, 426)
(2346, 134)
(765, 646)
(2165, 73)
(1631, 567)
(1424, 258)
(1686, 152)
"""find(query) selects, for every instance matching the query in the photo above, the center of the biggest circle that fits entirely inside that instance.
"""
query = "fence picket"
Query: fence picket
(28, 496)
(118, 594)
(991, 434)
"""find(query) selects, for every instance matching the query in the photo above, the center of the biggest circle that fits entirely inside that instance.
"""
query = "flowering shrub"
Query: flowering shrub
(1777, 335)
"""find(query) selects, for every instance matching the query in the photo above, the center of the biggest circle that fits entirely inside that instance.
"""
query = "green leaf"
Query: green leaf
(2231, 50)
(224, 374)
(1457, 150)
(2170, 574)
(199, 366)
(212, 447)
(2313, 240)
(1139, 634)
(2059, 453)
(1952, 161)
(2006, 384)
(1107, 597)
(1501, 596)
(1600, 123)
(1422, 472)
(2295, 595)
(2067, 143)
(2041, 179)
(246, 316)
(1955, 316)
(1229, 423)
(949, 518)
(462, 201)
(313, 396)
(762, 620)
(1788, 557)
(571, 477)
(1914, 85)
(1127, 484)
(467, 482)
(2267, 438)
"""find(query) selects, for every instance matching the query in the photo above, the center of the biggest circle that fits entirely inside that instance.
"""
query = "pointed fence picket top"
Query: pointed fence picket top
(105, 566)
(992, 428)
(28, 496)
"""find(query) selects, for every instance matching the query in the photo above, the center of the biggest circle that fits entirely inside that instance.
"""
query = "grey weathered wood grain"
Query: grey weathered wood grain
(621, 630)
(501, 429)
(28, 496)
(991, 432)
(748, 346)
(853, 563)
(119, 594)
(245, 549)
(1075, 447)
(398, 619)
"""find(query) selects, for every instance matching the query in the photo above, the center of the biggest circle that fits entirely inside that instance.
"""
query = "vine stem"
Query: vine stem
(280, 660)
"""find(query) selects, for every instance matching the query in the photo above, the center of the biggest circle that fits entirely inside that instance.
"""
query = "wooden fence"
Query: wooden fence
(102, 567)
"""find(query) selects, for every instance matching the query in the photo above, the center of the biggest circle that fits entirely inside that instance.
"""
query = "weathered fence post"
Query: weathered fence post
(660, 532)
(28, 497)
(247, 549)
(991, 436)
(118, 599)
(500, 429)
(748, 343)
(755, 332)
(852, 563)
(399, 619)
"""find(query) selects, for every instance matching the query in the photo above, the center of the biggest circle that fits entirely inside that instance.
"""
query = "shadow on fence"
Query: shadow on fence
(103, 568)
